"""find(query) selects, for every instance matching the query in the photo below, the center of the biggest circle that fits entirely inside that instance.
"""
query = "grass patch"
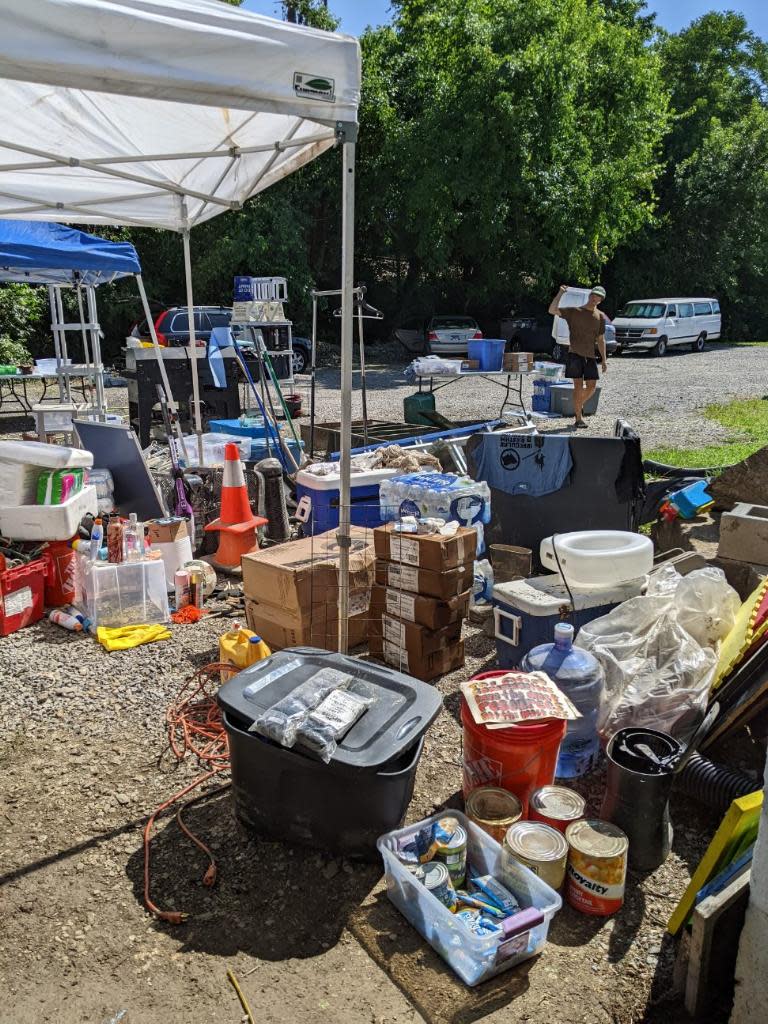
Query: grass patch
(747, 419)
(746, 344)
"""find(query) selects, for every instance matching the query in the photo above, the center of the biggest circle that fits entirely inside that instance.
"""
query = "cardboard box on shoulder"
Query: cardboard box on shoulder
(441, 585)
(302, 574)
(426, 550)
(425, 611)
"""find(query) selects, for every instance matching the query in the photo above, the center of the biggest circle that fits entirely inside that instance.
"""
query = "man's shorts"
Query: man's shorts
(581, 367)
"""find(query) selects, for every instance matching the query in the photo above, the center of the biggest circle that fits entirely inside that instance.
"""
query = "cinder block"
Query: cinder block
(744, 534)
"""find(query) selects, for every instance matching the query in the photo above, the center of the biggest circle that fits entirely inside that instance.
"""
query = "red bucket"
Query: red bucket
(519, 759)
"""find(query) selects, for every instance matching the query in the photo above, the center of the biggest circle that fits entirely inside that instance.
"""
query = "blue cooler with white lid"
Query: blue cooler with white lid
(525, 612)
(318, 498)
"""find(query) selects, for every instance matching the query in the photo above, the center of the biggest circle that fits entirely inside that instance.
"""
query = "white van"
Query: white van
(659, 324)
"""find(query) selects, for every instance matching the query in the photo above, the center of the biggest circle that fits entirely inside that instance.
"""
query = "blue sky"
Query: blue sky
(672, 14)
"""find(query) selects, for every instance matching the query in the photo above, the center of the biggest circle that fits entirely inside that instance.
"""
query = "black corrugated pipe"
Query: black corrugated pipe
(714, 784)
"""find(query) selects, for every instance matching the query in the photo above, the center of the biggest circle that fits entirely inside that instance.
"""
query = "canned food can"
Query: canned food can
(181, 587)
(539, 847)
(438, 881)
(597, 867)
(493, 810)
(557, 806)
(454, 855)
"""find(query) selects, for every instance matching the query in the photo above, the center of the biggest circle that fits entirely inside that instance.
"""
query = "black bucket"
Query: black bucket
(637, 793)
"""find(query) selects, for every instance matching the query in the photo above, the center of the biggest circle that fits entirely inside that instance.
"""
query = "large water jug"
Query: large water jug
(580, 677)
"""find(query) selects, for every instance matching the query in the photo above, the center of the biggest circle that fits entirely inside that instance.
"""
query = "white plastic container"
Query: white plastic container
(123, 593)
(213, 448)
(48, 522)
(22, 461)
(598, 558)
(474, 958)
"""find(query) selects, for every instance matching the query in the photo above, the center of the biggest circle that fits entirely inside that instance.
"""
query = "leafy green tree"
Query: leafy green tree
(22, 309)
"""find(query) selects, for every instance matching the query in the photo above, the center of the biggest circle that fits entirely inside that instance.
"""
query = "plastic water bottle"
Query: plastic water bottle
(579, 675)
(133, 540)
(97, 536)
(482, 583)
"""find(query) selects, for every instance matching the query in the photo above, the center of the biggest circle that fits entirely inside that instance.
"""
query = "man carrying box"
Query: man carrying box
(586, 327)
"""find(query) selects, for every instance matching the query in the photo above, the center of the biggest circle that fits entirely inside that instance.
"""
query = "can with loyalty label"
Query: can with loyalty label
(597, 867)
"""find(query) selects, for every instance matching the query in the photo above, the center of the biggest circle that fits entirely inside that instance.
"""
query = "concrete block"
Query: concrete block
(744, 534)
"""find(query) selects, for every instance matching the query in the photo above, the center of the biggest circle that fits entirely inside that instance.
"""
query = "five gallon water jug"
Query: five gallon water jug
(580, 677)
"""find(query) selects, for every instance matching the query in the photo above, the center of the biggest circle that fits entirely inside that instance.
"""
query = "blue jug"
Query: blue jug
(579, 675)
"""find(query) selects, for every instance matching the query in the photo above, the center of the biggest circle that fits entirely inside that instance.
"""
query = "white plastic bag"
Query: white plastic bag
(657, 674)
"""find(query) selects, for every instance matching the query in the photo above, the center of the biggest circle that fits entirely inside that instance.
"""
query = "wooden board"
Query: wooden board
(737, 830)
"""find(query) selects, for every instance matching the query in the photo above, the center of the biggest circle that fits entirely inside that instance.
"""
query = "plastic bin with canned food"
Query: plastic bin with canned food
(365, 789)
(474, 958)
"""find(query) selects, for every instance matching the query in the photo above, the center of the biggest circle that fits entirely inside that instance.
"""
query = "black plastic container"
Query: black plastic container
(284, 794)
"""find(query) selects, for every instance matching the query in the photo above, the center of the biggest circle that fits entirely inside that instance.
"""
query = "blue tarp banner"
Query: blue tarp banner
(48, 253)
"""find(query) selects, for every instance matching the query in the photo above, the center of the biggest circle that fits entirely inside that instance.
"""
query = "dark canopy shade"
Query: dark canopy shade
(38, 252)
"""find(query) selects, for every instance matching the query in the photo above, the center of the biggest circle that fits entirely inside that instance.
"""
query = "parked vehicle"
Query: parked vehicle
(438, 335)
(561, 338)
(172, 329)
(655, 325)
(527, 333)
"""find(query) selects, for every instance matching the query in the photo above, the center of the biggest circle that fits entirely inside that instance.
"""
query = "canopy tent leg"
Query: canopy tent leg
(312, 383)
(98, 365)
(347, 334)
(192, 339)
(63, 390)
(163, 373)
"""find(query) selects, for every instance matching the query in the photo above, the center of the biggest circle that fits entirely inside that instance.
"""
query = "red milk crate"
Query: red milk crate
(21, 596)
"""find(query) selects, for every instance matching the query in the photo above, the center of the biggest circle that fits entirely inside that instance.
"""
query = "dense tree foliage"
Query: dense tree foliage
(505, 147)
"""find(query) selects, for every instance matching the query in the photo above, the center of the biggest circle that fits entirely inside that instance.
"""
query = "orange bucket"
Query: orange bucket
(519, 759)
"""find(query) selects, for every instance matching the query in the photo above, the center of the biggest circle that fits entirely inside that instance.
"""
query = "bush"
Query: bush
(13, 353)
(22, 322)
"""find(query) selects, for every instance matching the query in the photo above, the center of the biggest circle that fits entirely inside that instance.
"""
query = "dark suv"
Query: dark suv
(172, 329)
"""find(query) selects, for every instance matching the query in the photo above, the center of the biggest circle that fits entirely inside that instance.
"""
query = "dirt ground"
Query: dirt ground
(308, 937)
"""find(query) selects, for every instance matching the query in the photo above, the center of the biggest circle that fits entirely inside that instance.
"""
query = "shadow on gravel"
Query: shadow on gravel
(271, 900)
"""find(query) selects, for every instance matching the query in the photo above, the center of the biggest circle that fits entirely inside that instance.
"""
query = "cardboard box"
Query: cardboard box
(426, 550)
(432, 666)
(166, 531)
(469, 365)
(425, 611)
(442, 585)
(320, 629)
(296, 576)
(415, 639)
(518, 362)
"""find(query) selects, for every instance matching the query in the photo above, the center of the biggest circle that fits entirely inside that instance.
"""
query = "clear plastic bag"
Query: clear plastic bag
(331, 720)
(281, 722)
(657, 673)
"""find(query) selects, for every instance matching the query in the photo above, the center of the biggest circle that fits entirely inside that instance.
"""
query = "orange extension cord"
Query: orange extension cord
(194, 727)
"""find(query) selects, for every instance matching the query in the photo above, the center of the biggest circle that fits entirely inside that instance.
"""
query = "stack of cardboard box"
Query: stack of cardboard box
(292, 590)
(420, 599)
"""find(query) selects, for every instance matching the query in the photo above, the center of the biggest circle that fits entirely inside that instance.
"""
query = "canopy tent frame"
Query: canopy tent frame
(268, 96)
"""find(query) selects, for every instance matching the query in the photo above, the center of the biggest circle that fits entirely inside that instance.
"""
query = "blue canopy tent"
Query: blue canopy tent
(40, 252)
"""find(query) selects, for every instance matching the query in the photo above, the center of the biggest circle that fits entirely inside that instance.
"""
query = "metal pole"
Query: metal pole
(62, 342)
(312, 379)
(347, 314)
(98, 366)
(363, 387)
(182, 452)
(192, 338)
(56, 340)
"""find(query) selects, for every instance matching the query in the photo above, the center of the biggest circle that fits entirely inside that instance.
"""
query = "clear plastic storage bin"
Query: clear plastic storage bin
(474, 958)
(121, 594)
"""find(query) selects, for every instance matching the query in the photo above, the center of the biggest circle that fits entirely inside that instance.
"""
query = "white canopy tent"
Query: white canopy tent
(165, 113)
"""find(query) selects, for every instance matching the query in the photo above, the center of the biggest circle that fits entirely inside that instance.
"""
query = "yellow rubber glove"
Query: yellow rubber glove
(122, 638)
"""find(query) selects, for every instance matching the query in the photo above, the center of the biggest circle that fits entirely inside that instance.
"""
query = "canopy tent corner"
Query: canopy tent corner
(165, 113)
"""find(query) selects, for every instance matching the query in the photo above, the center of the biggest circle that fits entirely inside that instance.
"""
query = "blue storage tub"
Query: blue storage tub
(690, 500)
(526, 612)
(322, 494)
(256, 430)
(489, 352)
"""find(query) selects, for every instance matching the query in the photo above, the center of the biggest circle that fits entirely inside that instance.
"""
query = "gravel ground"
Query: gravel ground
(83, 759)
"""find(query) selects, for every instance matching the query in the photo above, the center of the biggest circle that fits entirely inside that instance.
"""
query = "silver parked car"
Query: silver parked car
(438, 335)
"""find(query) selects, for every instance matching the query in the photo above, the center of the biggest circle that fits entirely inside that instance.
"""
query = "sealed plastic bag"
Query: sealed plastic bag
(657, 674)
(331, 720)
(281, 721)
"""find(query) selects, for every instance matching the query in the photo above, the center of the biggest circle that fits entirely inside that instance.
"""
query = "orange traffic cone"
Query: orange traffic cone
(236, 523)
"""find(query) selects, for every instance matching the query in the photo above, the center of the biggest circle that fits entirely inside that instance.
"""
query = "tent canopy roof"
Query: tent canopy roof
(43, 253)
(160, 112)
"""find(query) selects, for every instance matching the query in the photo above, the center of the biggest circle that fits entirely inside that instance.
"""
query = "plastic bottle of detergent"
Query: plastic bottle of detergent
(241, 647)
(580, 677)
